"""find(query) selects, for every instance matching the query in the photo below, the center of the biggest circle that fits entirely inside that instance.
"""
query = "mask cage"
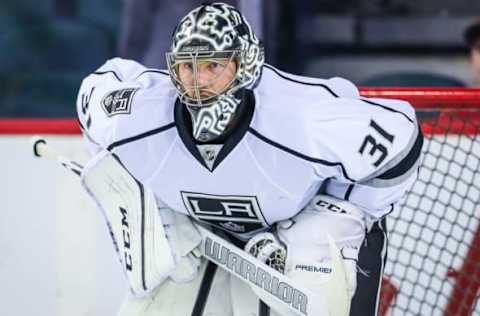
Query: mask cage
(202, 95)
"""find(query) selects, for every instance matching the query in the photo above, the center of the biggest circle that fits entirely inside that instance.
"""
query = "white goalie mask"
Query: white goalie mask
(214, 34)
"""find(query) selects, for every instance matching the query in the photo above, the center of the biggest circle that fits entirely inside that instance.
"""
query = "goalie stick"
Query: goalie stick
(278, 287)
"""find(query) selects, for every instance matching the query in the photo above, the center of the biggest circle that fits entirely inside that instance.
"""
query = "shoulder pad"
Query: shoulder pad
(353, 137)
(123, 92)
(285, 84)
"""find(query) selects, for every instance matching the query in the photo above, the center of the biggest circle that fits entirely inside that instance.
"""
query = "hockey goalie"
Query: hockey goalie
(233, 188)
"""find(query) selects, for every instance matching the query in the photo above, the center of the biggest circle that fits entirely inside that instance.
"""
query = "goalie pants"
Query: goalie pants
(215, 292)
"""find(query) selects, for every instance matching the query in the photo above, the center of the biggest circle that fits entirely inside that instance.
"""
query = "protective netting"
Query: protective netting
(433, 265)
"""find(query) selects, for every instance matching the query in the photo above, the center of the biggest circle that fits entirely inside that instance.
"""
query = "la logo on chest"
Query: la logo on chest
(236, 214)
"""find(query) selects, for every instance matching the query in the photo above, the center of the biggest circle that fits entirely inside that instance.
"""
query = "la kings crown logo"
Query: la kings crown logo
(118, 101)
(236, 214)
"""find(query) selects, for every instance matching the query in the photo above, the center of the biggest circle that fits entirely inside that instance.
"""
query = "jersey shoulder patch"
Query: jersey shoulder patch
(118, 101)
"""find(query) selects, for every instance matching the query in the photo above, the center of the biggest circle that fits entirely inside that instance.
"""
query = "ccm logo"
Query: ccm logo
(331, 207)
(126, 240)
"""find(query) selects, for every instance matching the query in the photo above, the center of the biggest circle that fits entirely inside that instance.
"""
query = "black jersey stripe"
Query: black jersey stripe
(157, 71)
(139, 136)
(142, 73)
(387, 108)
(81, 125)
(86, 133)
(302, 82)
(392, 208)
(333, 93)
(348, 192)
(407, 162)
(300, 155)
(108, 72)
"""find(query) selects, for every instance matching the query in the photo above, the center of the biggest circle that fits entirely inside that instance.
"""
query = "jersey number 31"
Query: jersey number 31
(376, 143)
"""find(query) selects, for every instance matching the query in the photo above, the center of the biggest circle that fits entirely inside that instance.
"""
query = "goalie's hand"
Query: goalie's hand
(268, 249)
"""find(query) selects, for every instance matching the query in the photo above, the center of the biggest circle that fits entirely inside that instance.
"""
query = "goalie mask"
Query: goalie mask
(214, 56)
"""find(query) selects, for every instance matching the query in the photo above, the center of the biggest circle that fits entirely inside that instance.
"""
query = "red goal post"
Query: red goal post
(445, 101)
(433, 265)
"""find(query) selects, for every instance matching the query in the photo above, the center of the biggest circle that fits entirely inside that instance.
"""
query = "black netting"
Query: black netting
(433, 265)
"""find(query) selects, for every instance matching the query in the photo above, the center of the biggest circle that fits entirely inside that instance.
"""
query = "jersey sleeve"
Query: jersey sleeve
(367, 151)
(383, 160)
(104, 94)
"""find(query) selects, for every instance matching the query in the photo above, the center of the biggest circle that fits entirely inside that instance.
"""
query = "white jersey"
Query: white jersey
(302, 135)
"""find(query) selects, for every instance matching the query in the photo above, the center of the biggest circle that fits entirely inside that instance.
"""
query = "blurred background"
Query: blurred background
(47, 46)
(56, 255)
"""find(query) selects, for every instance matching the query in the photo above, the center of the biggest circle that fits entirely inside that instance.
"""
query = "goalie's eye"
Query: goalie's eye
(216, 66)
(187, 66)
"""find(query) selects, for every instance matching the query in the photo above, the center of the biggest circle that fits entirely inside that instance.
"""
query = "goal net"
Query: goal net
(433, 265)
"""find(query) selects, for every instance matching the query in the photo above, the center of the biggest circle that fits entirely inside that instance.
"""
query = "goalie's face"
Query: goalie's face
(204, 80)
